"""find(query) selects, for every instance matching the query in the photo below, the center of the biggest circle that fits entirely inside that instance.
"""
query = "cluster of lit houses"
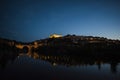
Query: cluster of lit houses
(73, 38)
(76, 39)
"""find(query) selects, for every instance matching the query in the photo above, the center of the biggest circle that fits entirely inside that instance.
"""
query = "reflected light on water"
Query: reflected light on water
(62, 67)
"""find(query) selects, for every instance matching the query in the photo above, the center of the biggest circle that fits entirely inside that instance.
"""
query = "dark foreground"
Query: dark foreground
(38, 66)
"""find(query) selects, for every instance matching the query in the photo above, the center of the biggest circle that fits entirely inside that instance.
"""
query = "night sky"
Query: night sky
(29, 20)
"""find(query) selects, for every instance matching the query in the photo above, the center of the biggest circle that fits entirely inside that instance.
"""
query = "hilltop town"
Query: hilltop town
(75, 40)
(67, 43)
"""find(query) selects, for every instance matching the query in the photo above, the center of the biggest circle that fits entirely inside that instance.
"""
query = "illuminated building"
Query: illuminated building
(55, 36)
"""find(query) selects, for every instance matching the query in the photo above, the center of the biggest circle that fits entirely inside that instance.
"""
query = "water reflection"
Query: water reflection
(62, 66)
(76, 61)
(63, 60)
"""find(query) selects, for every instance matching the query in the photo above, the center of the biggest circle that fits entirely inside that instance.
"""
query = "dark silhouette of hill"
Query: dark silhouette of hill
(68, 45)
(79, 45)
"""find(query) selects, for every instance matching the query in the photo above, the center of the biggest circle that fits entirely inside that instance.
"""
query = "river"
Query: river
(49, 67)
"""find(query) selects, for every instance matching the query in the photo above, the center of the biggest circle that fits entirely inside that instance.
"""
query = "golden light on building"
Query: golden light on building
(19, 46)
(35, 43)
(55, 36)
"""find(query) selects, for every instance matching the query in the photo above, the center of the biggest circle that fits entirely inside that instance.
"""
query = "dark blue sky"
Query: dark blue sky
(29, 20)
